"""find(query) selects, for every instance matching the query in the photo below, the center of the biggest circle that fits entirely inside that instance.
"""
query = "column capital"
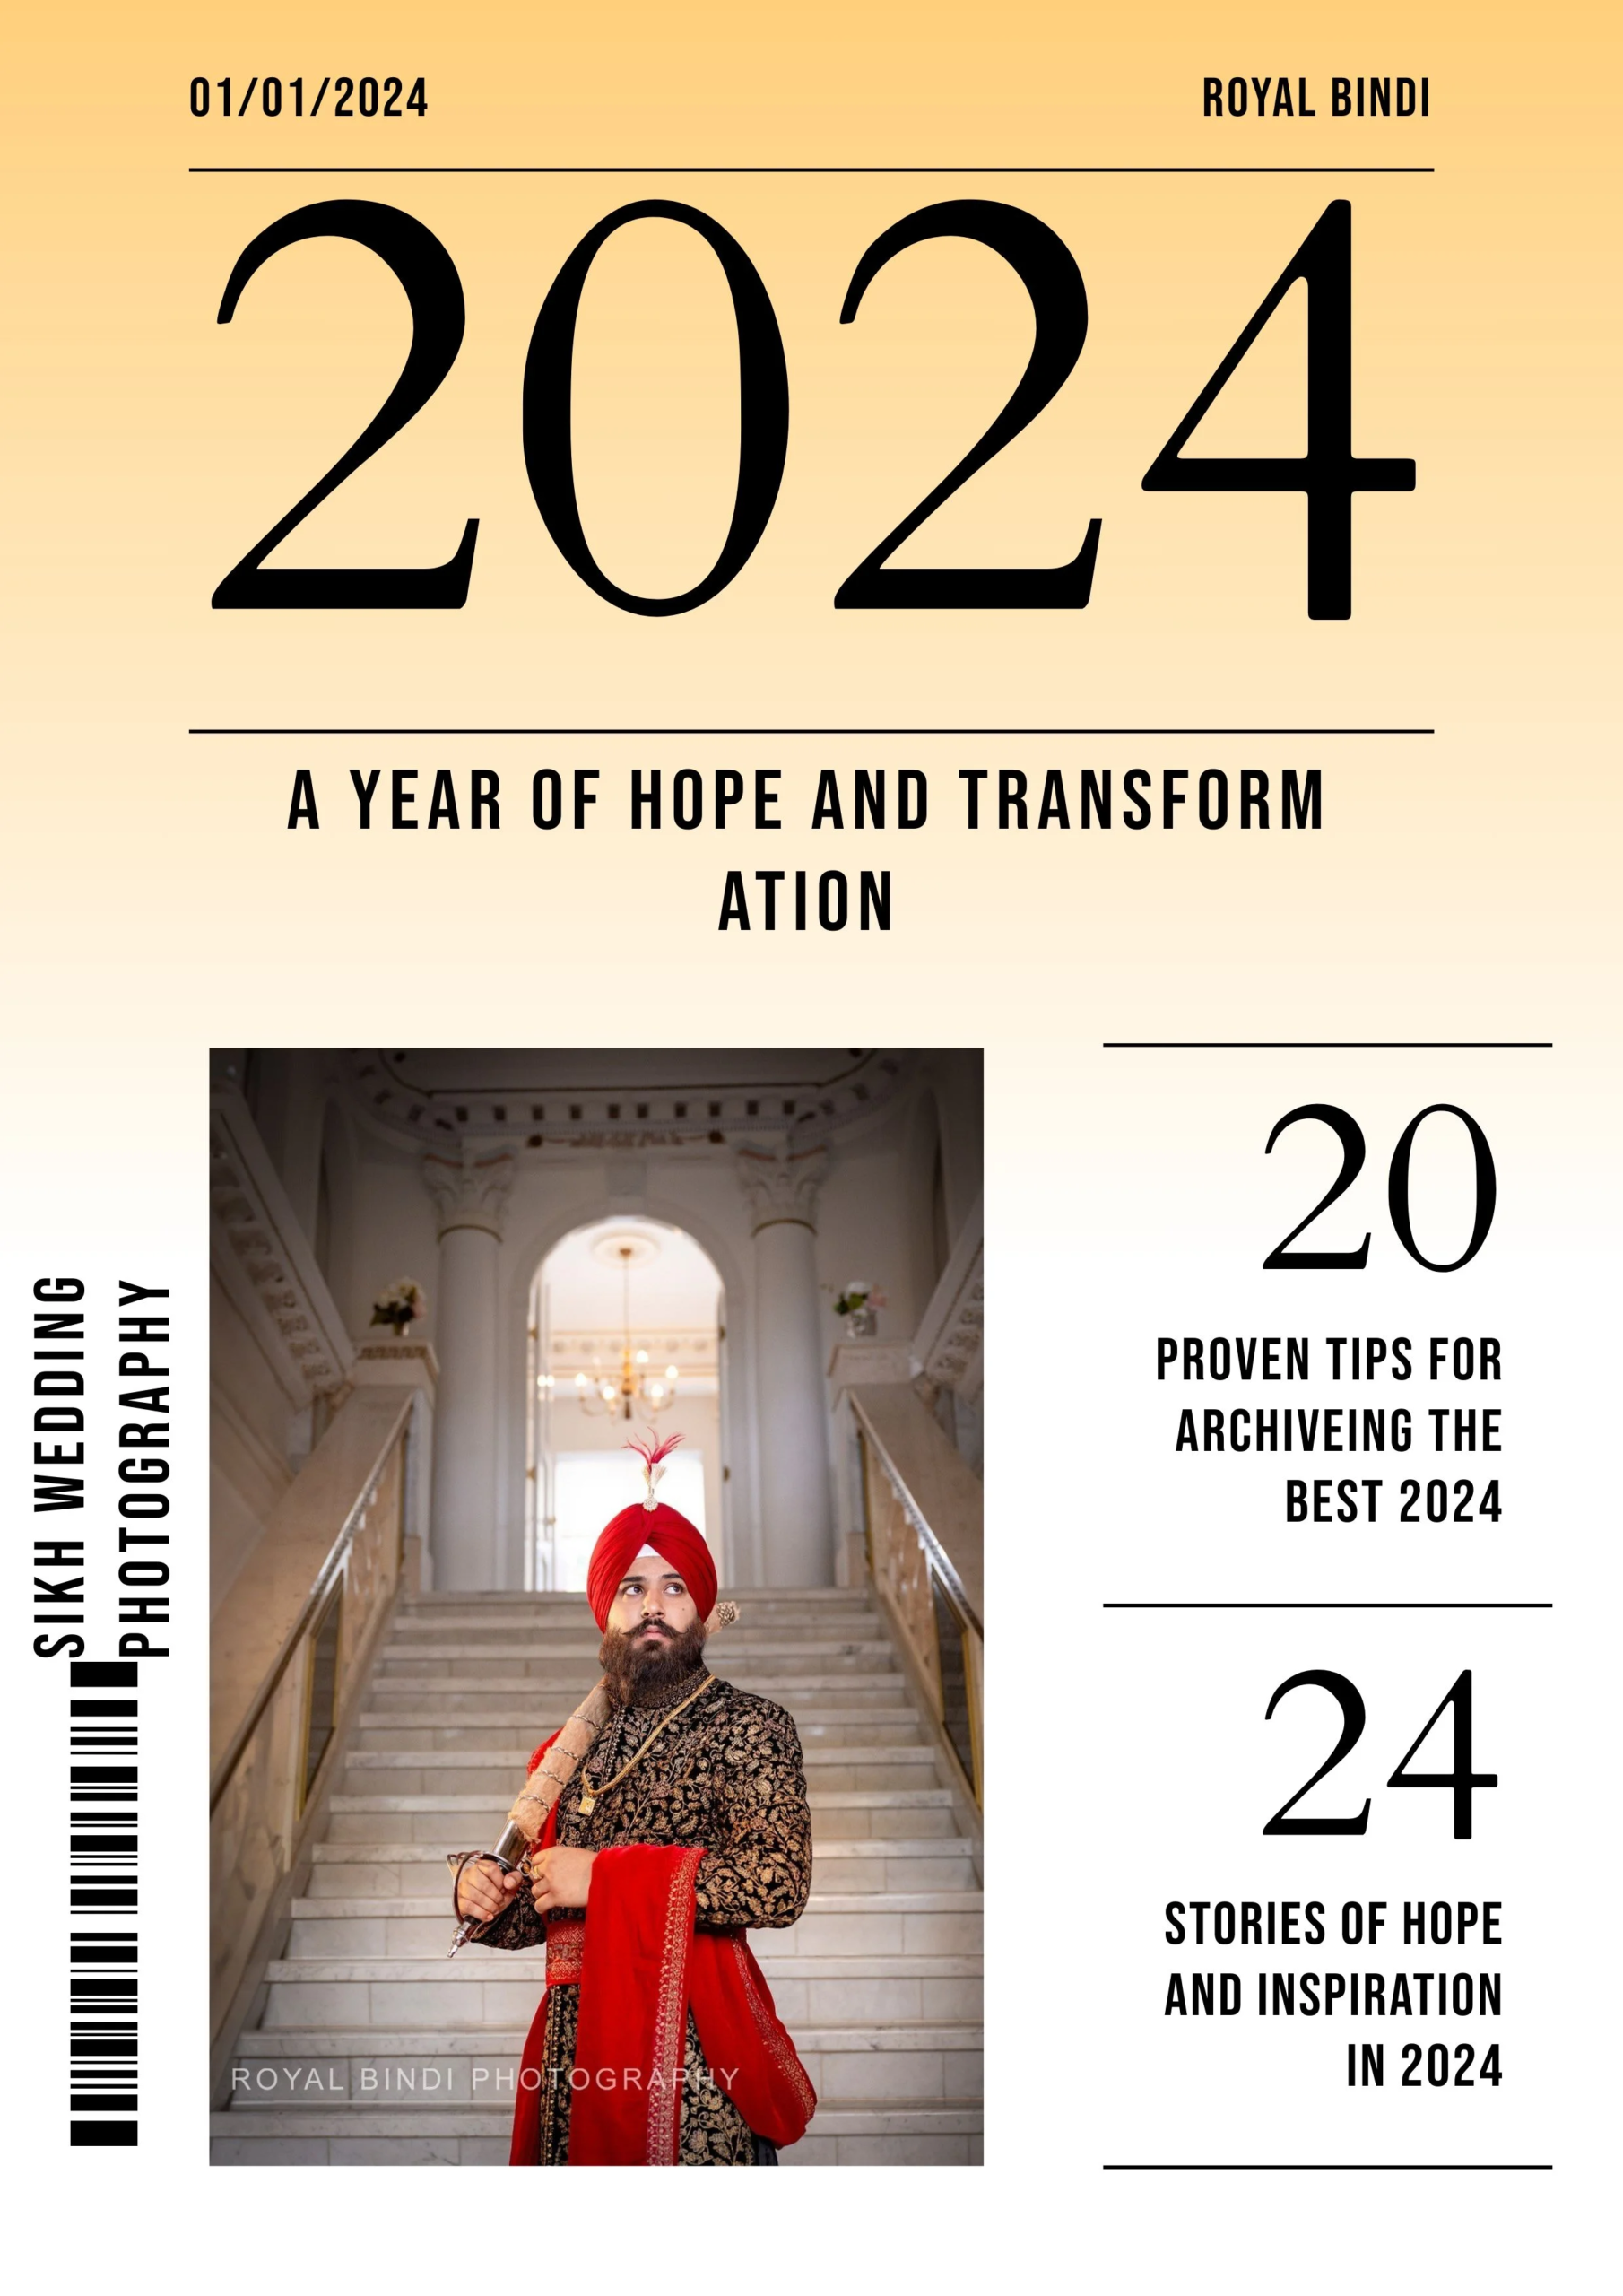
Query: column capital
(469, 1193)
(781, 1188)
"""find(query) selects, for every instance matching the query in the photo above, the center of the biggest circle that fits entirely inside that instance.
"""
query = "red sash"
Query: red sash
(640, 1966)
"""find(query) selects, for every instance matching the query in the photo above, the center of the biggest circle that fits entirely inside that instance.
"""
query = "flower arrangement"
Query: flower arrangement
(857, 1305)
(402, 1304)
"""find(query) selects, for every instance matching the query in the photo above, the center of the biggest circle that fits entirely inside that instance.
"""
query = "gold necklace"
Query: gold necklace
(591, 1796)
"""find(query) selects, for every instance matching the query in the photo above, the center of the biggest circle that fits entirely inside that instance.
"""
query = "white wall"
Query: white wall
(867, 1220)
(249, 1417)
(392, 1234)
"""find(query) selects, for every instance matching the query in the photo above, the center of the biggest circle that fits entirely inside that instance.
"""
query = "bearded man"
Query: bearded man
(685, 1825)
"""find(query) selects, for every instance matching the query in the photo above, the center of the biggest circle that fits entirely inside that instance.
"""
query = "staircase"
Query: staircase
(372, 2049)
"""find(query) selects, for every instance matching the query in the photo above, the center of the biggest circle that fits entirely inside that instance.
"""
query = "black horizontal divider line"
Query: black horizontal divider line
(822, 733)
(656, 167)
(1329, 1044)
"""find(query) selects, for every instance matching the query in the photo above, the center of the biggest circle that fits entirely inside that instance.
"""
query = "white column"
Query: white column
(470, 1198)
(797, 1537)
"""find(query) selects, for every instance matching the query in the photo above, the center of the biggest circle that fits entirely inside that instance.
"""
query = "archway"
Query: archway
(626, 1330)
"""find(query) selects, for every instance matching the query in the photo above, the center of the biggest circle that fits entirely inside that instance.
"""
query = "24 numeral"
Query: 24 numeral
(1462, 1780)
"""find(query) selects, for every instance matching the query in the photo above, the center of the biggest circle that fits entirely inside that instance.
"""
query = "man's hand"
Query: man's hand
(563, 1877)
(484, 1890)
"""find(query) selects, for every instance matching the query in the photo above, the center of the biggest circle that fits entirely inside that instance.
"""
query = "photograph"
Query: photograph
(597, 1646)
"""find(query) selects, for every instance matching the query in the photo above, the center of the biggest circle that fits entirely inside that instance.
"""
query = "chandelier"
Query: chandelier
(638, 1393)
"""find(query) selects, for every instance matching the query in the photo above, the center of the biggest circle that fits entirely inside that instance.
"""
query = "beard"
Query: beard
(635, 1664)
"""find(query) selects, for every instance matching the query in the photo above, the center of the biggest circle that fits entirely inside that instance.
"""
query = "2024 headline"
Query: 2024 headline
(1007, 799)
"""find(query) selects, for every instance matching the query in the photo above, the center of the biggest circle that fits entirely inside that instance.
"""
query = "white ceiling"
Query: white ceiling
(556, 1103)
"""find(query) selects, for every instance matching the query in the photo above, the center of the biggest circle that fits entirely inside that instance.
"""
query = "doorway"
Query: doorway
(627, 1331)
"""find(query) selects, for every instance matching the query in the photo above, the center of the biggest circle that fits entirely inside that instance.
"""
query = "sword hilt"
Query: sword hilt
(509, 1854)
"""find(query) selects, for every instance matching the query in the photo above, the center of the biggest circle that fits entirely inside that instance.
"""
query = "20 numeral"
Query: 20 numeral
(1348, 1131)
(1328, 476)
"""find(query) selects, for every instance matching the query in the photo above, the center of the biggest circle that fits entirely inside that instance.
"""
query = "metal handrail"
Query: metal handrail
(324, 1580)
(941, 1560)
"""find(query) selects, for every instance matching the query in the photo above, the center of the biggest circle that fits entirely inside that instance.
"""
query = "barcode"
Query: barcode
(102, 1902)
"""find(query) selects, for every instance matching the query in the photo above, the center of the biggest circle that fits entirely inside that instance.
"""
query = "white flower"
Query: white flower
(401, 1301)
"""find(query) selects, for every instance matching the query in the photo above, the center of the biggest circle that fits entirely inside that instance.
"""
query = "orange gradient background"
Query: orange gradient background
(1462, 886)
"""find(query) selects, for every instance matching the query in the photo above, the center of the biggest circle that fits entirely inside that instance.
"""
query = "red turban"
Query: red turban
(669, 1535)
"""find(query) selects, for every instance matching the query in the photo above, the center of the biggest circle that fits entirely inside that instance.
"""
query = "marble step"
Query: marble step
(579, 1624)
(461, 1821)
(368, 1904)
(766, 1654)
(756, 1672)
(897, 2134)
(547, 1601)
(790, 1602)
(855, 1865)
(312, 2070)
(574, 1609)
(482, 1988)
(456, 1694)
(874, 1922)
(819, 1726)
(471, 1770)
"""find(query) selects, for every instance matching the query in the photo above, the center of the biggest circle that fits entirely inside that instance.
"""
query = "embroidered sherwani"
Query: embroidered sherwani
(726, 1777)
